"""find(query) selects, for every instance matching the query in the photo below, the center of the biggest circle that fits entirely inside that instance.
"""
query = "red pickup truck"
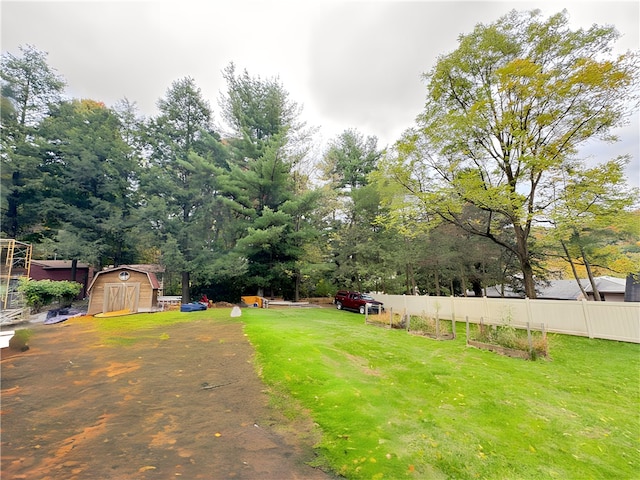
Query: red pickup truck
(357, 301)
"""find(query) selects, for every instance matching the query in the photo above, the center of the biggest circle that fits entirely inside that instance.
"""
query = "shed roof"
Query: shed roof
(153, 280)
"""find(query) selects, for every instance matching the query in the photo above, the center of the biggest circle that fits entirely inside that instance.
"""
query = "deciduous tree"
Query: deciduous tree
(592, 216)
(505, 112)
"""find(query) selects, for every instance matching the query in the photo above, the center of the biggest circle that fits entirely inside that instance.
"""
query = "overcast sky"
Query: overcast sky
(349, 64)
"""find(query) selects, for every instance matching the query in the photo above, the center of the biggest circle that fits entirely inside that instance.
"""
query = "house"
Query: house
(611, 289)
(58, 270)
(123, 288)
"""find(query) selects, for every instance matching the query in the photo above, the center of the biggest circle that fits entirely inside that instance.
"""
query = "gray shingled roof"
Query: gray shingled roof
(565, 289)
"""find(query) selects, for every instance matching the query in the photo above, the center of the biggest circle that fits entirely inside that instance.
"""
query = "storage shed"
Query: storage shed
(123, 288)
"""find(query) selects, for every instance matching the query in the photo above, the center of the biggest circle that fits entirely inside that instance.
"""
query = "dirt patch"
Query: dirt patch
(181, 402)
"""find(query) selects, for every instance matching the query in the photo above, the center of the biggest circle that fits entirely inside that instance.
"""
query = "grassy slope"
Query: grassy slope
(392, 405)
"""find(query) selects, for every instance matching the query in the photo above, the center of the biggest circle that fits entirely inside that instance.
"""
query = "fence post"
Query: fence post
(486, 307)
(404, 301)
(585, 312)
(437, 325)
(453, 308)
(453, 327)
(426, 304)
(467, 320)
(407, 318)
(529, 338)
(529, 313)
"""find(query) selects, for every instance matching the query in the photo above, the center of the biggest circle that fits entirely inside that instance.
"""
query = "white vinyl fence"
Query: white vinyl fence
(608, 320)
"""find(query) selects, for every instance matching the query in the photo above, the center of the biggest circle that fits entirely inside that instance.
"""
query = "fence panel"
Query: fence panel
(470, 307)
(608, 320)
(512, 311)
(613, 321)
(561, 316)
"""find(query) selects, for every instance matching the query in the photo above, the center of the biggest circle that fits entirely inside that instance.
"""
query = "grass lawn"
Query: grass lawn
(392, 405)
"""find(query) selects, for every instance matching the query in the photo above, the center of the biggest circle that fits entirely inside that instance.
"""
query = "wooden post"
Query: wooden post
(453, 327)
(437, 325)
(529, 338)
(407, 318)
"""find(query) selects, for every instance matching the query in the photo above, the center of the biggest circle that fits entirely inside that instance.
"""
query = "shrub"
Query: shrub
(508, 336)
(20, 339)
(39, 293)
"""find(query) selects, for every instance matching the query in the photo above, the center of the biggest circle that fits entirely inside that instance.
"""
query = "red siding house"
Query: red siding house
(61, 270)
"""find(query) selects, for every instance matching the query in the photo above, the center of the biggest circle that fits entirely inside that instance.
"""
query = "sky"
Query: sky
(349, 64)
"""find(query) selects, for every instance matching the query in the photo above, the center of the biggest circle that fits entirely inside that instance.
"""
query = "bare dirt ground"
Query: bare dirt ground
(182, 402)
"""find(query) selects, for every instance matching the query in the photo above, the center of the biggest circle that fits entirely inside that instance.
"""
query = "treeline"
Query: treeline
(484, 190)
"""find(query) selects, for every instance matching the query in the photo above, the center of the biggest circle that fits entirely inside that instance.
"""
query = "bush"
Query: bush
(508, 336)
(39, 293)
(20, 340)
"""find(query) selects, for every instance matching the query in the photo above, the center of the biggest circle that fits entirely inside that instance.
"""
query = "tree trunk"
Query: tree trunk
(522, 251)
(573, 269)
(476, 286)
(410, 279)
(463, 283)
(74, 269)
(185, 287)
(296, 291)
(594, 287)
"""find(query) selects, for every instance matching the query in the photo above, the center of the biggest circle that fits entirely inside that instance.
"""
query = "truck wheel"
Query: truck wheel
(362, 309)
(338, 305)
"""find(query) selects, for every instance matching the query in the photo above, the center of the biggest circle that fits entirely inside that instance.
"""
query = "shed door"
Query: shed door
(121, 296)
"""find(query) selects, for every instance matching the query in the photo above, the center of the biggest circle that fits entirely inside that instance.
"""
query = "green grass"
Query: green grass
(127, 330)
(392, 405)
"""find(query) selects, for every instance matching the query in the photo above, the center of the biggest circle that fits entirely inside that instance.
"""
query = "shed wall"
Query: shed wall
(147, 297)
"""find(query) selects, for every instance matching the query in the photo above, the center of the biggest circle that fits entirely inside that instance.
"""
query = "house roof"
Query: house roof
(607, 284)
(565, 289)
(153, 280)
(57, 264)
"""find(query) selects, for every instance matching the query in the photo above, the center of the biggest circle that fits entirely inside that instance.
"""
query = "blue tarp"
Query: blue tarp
(192, 307)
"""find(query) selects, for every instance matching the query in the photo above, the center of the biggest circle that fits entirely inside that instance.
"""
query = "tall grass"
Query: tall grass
(392, 405)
